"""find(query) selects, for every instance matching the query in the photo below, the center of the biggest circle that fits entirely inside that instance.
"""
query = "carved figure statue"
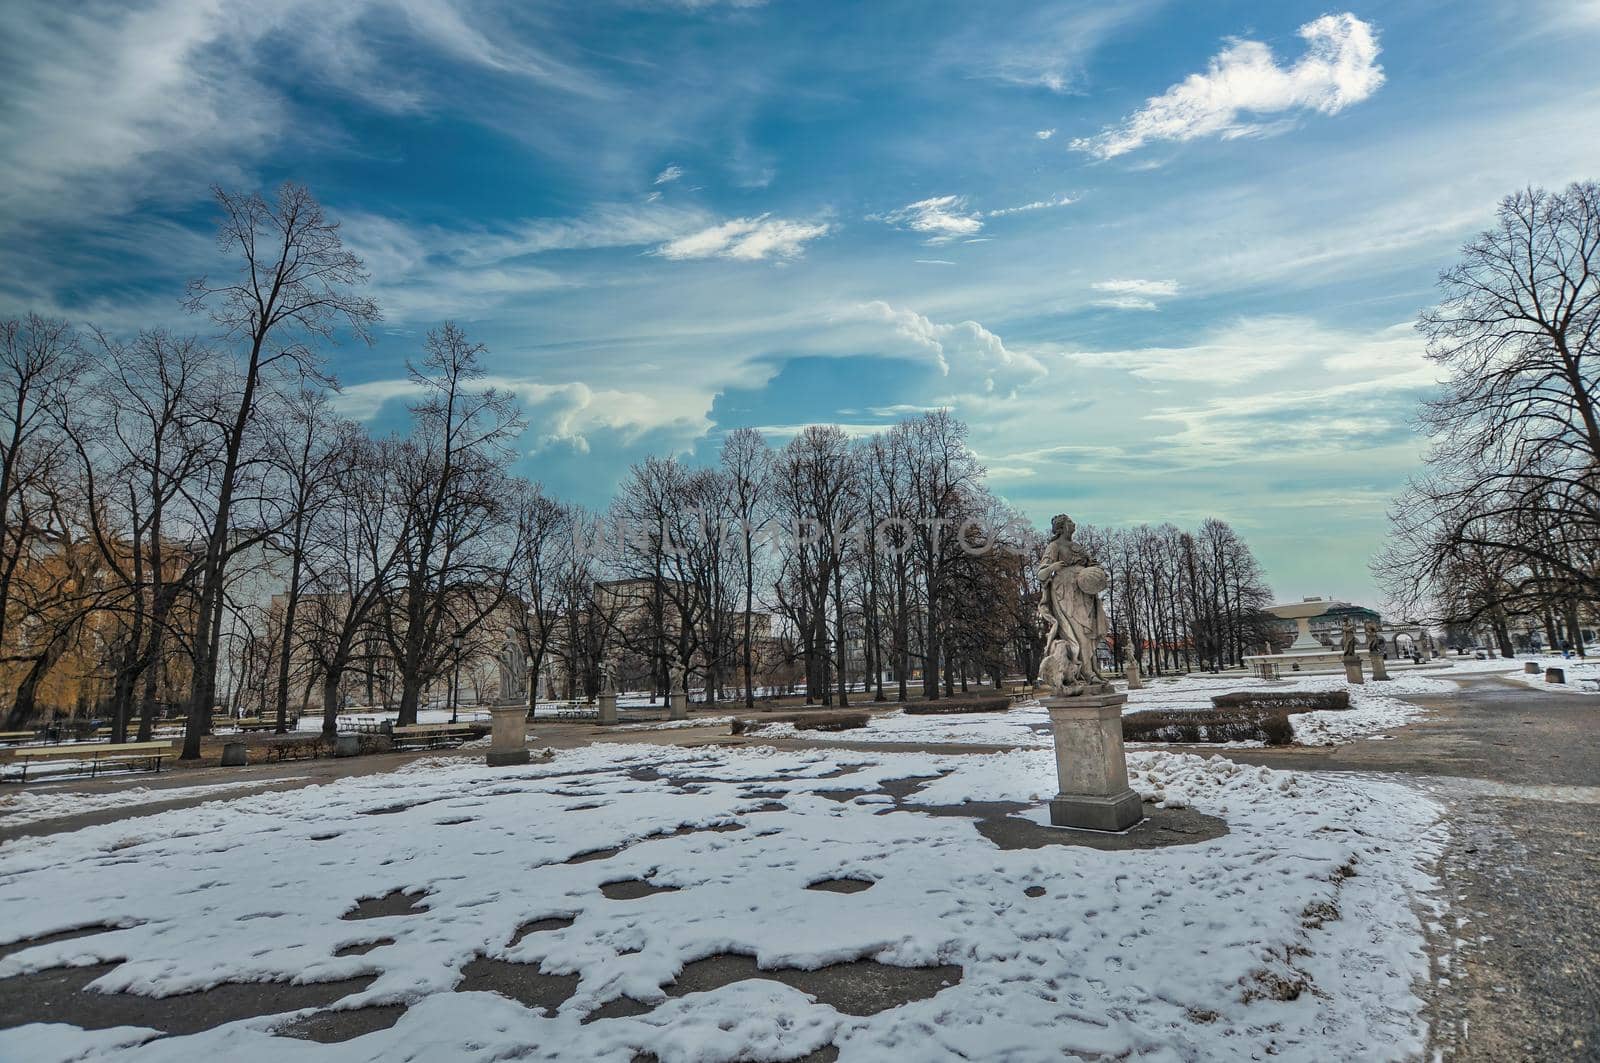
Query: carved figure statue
(675, 678)
(608, 677)
(1074, 617)
(1374, 637)
(1349, 634)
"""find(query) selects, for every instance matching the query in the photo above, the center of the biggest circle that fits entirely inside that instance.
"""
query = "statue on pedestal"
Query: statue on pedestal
(608, 676)
(1374, 638)
(1070, 584)
(1349, 635)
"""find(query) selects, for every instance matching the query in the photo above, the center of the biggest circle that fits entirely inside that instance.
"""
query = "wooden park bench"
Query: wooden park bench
(367, 726)
(428, 735)
(16, 738)
(568, 710)
(97, 754)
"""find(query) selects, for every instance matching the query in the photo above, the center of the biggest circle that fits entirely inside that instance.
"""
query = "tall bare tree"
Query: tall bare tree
(295, 285)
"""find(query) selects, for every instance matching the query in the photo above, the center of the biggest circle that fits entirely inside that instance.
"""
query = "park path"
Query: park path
(1516, 955)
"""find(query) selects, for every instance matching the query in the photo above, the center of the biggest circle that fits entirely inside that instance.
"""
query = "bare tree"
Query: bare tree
(747, 463)
(450, 476)
(1514, 471)
(295, 286)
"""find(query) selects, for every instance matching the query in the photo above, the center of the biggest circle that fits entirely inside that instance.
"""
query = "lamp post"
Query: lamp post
(455, 676)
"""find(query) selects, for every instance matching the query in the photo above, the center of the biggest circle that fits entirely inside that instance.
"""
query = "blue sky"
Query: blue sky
(1163, 257)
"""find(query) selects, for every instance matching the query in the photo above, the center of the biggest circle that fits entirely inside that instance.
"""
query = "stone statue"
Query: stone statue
(1374, 637)
(1070, 584)
(1349, 633)
(608, 676)
(675, 678)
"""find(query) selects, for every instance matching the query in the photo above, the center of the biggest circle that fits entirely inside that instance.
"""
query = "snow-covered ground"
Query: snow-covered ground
(1293, 935)
(1375, 708)
(1576, 672)
(39, 805)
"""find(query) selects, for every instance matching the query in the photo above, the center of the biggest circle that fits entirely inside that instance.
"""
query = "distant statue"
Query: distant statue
(675, 678)
(1374, 637)
(1075, 620)
(1349, 633)
(608, 677)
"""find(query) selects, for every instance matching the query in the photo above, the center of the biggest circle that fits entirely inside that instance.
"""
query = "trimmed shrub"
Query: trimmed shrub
(953, 706)
(807, 721)
(1268, 726)
(1322, 701)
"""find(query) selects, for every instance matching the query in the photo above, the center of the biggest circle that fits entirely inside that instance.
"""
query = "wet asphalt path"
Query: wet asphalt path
(1516, 956)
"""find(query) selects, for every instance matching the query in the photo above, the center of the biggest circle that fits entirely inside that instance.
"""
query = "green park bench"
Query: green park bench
(97, 754)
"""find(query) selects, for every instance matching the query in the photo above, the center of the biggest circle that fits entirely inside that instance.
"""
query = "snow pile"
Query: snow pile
(1291, 935)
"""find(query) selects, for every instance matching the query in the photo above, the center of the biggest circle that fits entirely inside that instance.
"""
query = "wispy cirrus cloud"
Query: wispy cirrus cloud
(746, 239)
(1134, 294)
(670, 174)
(1038, 204)
(1339, 69)
(940, 218)
(943, 219)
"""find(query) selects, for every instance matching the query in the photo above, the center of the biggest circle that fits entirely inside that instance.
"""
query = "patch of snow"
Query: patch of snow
(1163, 953)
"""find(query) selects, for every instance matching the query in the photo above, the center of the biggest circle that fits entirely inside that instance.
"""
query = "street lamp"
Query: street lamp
(455, 676)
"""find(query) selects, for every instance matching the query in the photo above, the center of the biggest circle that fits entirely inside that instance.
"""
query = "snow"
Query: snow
(1375, 708)
(1167, 953)
(36, 806)
(1576, 672)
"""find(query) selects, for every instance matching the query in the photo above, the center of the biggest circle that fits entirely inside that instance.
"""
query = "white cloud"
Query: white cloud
(424, 273)
(670, 174)
(749, 239)
(941, 218)
(974, 358)
(109, 104)
(562, 414)
(1338, 69)
(945, 219)
(1255, 348)
(1134, 294)
(1038, 204)
(1045, 134)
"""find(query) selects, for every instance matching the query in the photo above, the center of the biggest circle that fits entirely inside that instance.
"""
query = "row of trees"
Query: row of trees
(156, 490)
(1181, 600)
(1506, 523)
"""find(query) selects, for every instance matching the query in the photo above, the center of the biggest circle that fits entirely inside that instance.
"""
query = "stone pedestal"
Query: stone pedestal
(508, 736)
(1091, 770)
(1352, 670)
(347, 746)
(1531, 667)
(1555, 675)
(235, 755)
(1380, 671)
(1131, 673)
(678, 705)
(608, 708)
